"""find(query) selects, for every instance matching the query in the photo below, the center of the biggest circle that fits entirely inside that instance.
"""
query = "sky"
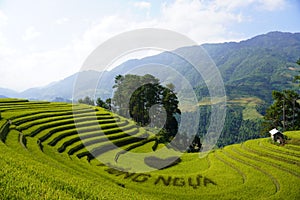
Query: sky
(42, 41)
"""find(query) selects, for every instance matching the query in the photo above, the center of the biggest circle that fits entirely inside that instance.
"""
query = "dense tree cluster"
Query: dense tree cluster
(139, 96)
(284, 113)
(87, 100)
(99, 102)
(104, 104)
(235, 130)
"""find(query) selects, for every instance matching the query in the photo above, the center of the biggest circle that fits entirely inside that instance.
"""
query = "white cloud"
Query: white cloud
(202, 21)
(3, 18)
(98, 33)
(272, 5)
(2, 40)
(25, 70)
(269, 5)
(35, 68)
(4, 49)
(231, 5)
(62, 20)
(142, 5)
(199, 20)
(30, 33)
(3, 22)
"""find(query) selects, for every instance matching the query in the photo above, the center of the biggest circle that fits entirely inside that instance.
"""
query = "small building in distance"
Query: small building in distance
(277, 136)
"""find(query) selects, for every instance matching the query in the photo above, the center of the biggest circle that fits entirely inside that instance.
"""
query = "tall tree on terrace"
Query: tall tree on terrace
(170, 103)
(101, 103)
(135, 96)
(284, 112)
(119, 96)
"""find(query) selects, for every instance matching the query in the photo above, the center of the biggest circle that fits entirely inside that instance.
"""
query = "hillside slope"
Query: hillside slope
(251, 68)
(36, 160)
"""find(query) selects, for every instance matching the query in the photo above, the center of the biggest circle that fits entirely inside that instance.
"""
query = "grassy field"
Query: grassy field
(45, 154)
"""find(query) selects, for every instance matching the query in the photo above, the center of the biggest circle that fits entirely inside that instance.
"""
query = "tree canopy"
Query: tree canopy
(284, 113)
(87, 100)
(146, 101)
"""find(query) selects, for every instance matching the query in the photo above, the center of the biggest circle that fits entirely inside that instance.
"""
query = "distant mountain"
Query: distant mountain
(258, 65)
(253, 67)
(4, 92)
(61, 89)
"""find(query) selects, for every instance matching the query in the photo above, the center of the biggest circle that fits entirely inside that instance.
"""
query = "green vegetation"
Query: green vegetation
(87, 100)
(37, 163)
(284, 113)
(147, 102)
(256, 67)
(106, 104)
(242, 122)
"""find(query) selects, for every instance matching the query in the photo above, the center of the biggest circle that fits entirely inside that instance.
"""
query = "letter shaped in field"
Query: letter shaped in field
(207, 181)
(178, 182)
(140, 178)
(127, 174)
(166, 182)
(197, 184)
(113, 171)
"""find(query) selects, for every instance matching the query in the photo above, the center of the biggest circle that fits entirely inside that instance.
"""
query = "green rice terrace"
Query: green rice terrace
(45, 153)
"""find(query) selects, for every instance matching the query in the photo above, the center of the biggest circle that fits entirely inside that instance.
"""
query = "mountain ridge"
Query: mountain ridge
(265, 62)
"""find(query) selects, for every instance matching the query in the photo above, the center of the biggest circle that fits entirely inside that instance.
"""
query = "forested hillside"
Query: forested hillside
(257, 66)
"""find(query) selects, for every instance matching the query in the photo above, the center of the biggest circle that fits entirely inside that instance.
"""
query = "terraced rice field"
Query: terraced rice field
(45, 153)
